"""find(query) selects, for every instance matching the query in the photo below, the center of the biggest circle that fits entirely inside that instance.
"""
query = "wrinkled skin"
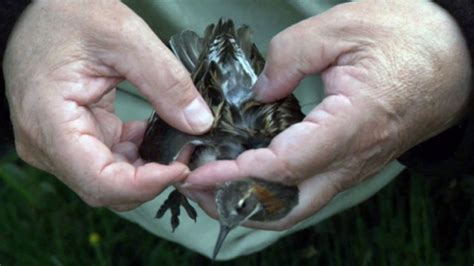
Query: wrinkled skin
(395, 73)
(61, 66)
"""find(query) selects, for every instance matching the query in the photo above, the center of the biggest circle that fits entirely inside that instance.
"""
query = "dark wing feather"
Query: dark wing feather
(224, 64)
(249, 48)
(162, 143)
(257, 60)
(187, 46)
(268, 120)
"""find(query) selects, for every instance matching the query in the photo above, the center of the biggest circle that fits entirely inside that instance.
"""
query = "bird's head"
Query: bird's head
(236, 203)
(254, 199)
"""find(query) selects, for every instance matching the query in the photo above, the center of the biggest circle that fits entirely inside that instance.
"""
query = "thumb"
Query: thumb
(307, 47)
(142, 58)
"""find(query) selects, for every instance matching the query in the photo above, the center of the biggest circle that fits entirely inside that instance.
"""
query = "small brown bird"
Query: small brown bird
(225, 64)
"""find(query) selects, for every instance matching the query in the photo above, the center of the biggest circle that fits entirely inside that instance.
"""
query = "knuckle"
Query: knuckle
(279, 57)
(287, 38)
(177, 78)
(127, 27)
(278, 43)
(345, 12)
(291, 172)
(179, 85)
(284, 171)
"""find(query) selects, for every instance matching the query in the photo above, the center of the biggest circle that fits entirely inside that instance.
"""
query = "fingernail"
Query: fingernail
(188, 185)
(198, 115)
(260, 87)
(186, 171)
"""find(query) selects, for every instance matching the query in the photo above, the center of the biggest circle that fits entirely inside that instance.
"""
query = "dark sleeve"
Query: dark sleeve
(453, 148)
(10, 10)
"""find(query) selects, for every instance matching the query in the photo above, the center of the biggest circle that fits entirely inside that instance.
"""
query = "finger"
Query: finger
(307, 47)
(126, 150)
(204, 198)
(133, 132)
(213, 174)
(207, 203)
(101, 180)
(146, 62)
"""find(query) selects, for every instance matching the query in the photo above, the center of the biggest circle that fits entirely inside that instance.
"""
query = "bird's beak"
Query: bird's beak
(220, 239)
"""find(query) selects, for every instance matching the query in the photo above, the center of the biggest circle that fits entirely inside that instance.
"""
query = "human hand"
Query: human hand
(61, 66)
(395, 73)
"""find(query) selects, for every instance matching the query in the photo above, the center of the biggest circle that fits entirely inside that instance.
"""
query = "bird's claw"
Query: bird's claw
(174, 201)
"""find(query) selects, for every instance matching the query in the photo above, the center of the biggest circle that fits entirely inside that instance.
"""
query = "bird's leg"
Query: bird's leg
(174, 202)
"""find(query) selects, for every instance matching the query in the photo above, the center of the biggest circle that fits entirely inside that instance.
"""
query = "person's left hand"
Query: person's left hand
(395, 74)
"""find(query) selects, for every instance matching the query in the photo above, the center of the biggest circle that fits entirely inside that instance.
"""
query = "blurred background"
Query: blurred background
(419, 219)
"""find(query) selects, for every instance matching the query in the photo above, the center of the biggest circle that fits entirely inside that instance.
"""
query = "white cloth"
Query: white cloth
(266, 18)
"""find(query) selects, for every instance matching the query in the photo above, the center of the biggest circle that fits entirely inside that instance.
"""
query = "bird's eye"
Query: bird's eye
(241, 205)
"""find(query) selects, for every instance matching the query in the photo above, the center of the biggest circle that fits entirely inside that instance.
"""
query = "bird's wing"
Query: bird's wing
(224, 66)
(163, 143)
(271, 119)
(187, 46)
(244, 35)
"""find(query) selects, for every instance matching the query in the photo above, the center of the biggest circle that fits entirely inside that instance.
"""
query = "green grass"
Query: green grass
(416, 220)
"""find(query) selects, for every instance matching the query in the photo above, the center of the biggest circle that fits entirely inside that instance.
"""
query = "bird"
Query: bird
(224, 65)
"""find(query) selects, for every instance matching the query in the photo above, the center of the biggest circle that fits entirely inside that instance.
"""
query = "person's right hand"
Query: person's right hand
(61, 67)
(395, 73)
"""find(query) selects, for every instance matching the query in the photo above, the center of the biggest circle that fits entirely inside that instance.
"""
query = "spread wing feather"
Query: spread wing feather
(224, 64)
